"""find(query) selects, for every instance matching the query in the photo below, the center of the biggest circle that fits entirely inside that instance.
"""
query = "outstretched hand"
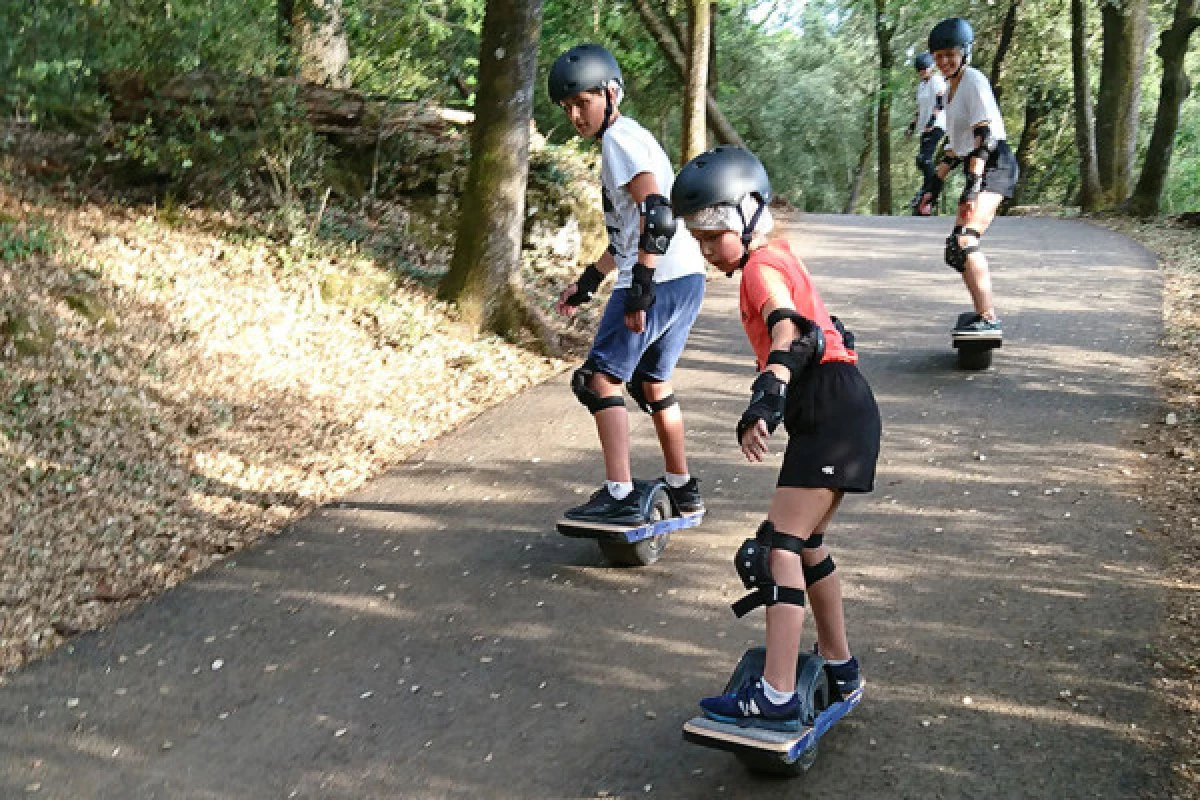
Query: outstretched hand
(754, 441)
(562, 306)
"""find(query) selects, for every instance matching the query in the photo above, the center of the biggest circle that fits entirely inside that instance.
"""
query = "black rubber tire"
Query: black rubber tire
(768, 764)
(972, 358)
(647, 551)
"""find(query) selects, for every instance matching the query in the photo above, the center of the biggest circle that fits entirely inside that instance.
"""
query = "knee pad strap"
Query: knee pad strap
(581, 385)
(753, 563)
(822, 569)
(637, 390)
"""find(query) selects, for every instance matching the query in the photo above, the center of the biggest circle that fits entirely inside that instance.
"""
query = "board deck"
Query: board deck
(628, 533)
(725, 736)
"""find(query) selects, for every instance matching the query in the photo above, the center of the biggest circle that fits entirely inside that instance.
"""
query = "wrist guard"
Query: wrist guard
(640, 295)
(586, 285)
(971, 190)
(768, 399)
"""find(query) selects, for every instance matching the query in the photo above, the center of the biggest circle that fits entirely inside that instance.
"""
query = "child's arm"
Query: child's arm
(796, 341)
(657, 226)
(581, 291)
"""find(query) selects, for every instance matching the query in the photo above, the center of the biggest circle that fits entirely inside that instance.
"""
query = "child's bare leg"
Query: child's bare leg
(668, 424)
(797, 511)
(975, 273)
(825, 597)
(612, 425)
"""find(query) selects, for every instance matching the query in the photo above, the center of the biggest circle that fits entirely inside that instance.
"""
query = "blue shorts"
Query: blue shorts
(619, 352)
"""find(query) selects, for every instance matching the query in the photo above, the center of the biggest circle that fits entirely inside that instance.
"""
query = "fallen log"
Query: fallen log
(222, 101)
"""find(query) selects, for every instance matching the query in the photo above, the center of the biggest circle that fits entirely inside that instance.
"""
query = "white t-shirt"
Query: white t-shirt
(627, 150)
(971, 104)
(927, 92)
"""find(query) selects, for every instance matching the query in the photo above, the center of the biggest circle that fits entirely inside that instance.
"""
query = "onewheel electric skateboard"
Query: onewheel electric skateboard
(636, 545)
(974, 351)
(776, 752)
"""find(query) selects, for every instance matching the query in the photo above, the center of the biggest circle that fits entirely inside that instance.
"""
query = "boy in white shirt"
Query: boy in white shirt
(977, 140)
(658, 293)
(930, 116)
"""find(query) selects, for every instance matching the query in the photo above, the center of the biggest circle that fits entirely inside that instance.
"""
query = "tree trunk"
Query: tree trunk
(675, 56)
(1007, 30)
(319, 37)
(696, 83)
(883, 109)
(714, 83)
(1124, 36)
(484, 278)
(1091, 196)
(1172, 49)
(864, 159)
(1036, 104)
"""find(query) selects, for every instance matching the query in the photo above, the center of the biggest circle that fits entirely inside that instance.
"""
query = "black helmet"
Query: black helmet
(952, 32)
(724, 175)
(923, 61)
(583, 67)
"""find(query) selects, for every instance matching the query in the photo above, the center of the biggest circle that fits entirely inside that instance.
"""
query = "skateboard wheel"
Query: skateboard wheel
(647, 551)
(972, 358)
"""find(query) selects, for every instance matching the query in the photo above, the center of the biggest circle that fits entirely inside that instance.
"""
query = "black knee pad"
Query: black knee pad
(637, 390)
(956, 254)
(753, 564)
(593, 401)
(822, 569)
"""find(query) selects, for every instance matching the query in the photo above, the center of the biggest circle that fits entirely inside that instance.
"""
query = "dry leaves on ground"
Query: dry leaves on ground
(172, 390)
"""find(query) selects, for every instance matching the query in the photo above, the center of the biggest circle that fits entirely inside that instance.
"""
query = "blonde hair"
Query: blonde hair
(725, 217)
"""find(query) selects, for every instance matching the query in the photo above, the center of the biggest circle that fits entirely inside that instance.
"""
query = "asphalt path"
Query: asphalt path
(432, 636)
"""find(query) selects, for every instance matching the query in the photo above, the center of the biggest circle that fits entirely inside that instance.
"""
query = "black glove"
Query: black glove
(768, 398)
(641, 292)
(971, 190)
(586, 285)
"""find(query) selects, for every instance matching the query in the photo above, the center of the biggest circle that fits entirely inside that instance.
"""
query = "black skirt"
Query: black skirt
(833, 430)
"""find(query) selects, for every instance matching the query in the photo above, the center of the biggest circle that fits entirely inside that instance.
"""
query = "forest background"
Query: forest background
(821, 90)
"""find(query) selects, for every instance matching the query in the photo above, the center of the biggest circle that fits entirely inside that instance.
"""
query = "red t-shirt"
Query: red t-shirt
(769, 266)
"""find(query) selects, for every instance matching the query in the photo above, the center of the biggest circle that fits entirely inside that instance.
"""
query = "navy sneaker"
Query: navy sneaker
(848, 676)
(603, 507)
(980, 328)
(749, 707)
(687, 497)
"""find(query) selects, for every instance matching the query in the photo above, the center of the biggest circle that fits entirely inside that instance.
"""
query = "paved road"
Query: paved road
(433, 637)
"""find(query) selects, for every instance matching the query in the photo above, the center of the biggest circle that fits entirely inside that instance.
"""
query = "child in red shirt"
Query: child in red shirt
(809, 381)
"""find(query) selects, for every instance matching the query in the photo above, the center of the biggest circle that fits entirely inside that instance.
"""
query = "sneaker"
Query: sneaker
(687, 497)
(980, 328)
(748, 707)
(603, 507)
(847, 676)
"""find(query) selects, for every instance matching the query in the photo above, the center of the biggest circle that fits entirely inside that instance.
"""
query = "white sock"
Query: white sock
(774, 696)
(677, 481)
(619, 489)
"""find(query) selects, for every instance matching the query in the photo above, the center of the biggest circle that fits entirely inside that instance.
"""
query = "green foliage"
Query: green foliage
(796, 78)
(21, 240)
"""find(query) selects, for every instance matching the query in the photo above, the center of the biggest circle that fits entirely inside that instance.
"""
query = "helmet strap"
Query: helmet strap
(966, 58)
(748, 230)
(608, 112)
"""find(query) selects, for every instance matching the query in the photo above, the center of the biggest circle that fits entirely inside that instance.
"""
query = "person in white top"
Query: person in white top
(930, 117)
(976, 140)
(656, 298)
